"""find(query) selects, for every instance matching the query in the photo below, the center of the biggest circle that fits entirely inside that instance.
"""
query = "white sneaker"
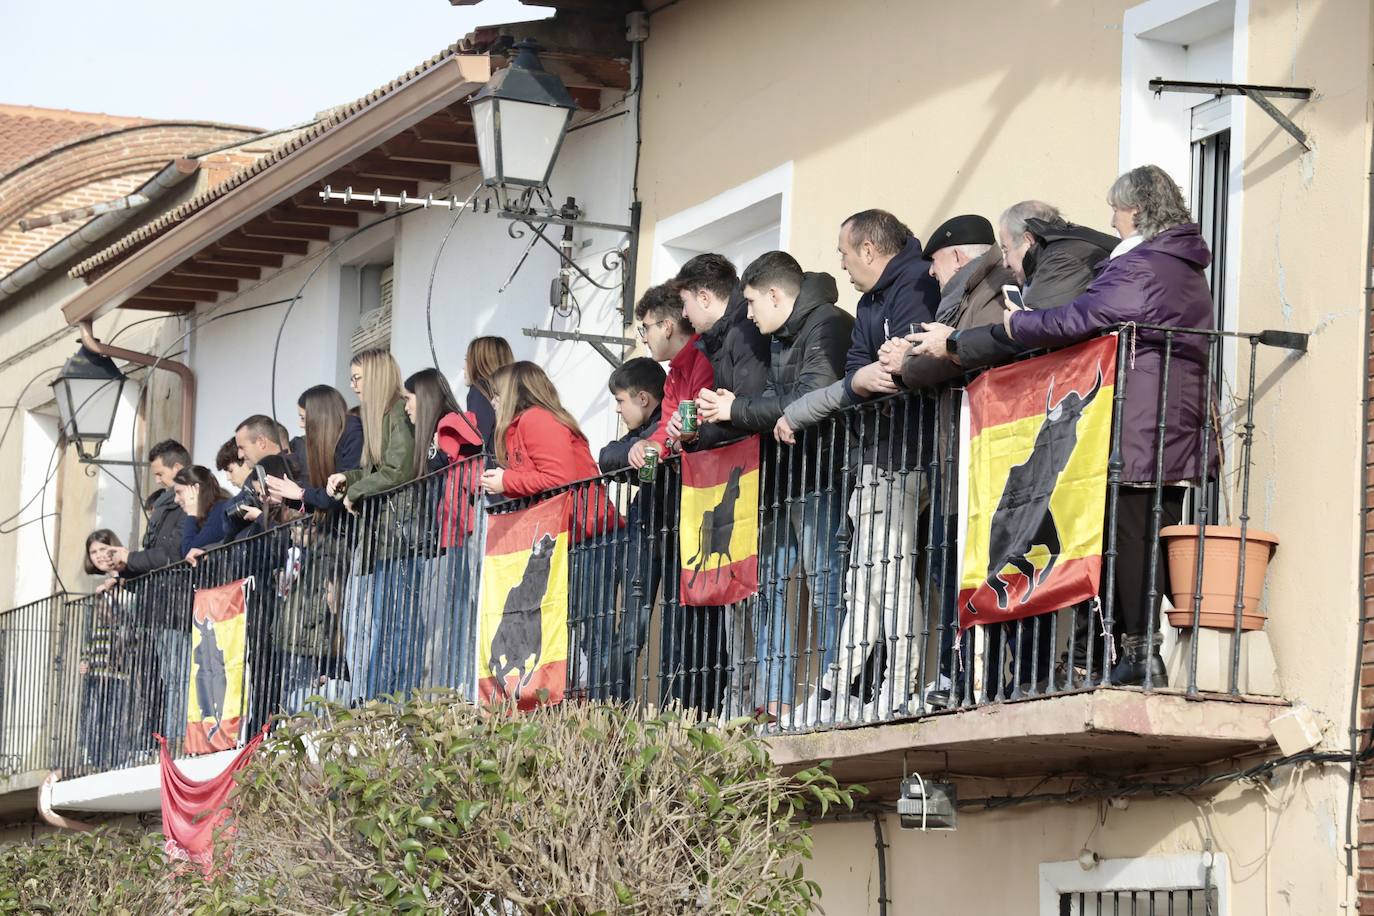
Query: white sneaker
(888, 704)
(825, 706)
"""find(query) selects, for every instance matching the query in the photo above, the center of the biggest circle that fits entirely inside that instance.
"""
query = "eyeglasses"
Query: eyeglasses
(643, 329)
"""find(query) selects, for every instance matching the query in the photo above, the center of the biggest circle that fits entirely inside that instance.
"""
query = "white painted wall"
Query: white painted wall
(232, 357)
(33, 574)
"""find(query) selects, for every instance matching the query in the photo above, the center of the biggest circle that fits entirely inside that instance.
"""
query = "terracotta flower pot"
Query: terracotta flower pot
(1219, 570)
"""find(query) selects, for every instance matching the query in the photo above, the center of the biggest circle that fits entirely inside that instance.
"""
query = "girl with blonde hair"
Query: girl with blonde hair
(384, 657)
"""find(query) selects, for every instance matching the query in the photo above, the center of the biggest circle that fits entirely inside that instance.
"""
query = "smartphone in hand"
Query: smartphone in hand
(1013, 293)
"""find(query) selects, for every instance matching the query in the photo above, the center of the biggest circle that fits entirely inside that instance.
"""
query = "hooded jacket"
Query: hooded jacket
(738, 354)
(1159, 282)
(1058, 268)
(905, 295)
(806, 354)
(980, 306)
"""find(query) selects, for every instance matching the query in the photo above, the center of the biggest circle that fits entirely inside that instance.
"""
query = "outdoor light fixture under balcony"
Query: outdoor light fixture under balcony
(521, 117)
(87, 393)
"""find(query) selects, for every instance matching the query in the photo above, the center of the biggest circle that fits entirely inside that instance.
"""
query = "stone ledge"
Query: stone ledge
(1106, 730)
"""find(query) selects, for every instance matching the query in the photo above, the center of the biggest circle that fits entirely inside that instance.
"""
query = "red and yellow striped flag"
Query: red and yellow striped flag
(719, 524)
(1034, 483)
(217, 698)
(522, 627)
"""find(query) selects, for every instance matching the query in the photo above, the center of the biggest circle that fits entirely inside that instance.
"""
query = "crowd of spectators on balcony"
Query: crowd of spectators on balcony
(847, 408)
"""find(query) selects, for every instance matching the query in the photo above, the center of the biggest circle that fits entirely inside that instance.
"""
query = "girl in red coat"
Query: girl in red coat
(540, 447)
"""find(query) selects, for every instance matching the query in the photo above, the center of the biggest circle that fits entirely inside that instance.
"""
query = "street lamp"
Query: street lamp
(521, 116)
(87, 393)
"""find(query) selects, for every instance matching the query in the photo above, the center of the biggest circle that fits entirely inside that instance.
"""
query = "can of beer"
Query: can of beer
(649, 472)
(687, 410)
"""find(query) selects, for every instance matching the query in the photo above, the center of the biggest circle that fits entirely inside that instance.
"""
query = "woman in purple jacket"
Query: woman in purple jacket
(1153, 277)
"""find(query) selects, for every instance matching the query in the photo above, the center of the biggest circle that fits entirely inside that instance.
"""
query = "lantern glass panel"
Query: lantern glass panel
(484, 120)
(95, 402)
(530, 135)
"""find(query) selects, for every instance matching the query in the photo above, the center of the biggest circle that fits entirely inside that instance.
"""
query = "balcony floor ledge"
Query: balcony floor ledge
(1111, 729)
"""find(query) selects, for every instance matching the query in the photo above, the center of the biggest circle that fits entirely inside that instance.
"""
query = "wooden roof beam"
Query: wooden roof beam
(408, 147)
(222, 256)
(264, 228)
(203, 284)
(322, 216)
(148, 304)
(206, 268)
(238, 241)
(177, 295)
(382, 167)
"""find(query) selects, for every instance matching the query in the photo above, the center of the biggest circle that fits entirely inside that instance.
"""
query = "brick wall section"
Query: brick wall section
(1365, 838)
(18, 247)
(121, 153)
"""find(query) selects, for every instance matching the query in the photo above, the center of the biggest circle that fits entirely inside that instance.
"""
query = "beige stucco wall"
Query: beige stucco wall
(991, 863)
(930, 110)
(34, 342)
(924, 109)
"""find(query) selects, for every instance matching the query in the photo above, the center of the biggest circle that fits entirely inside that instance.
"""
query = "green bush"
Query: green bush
(438, 806)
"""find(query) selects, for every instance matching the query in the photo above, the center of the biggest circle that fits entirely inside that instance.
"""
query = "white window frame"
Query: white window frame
(1183, 871)
(670, 232)
(1155, 35)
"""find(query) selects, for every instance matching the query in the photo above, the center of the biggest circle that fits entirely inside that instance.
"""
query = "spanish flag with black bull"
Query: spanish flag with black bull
(217, 698)
(522, 627)
(1033, 486)
(718, 530)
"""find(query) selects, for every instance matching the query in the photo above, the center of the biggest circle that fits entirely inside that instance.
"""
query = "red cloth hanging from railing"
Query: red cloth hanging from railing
(193, 809)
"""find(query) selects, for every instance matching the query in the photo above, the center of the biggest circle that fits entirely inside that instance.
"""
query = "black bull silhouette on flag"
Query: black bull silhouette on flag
(1024, 518)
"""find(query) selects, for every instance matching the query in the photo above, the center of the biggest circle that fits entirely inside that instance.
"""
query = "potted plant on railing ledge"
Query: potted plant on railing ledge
(1213, 569)
(1235, 557)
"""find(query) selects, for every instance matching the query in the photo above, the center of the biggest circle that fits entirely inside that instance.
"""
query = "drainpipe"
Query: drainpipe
(46, 812)
(183, 371)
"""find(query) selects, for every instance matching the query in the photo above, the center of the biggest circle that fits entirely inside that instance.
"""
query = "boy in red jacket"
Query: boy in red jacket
(669, 338)
(694, 661)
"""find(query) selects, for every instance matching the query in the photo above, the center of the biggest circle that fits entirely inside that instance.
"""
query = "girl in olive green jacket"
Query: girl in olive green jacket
(384, 653)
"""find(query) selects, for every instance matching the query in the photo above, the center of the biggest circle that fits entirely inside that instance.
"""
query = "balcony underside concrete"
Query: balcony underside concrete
(1111, 730)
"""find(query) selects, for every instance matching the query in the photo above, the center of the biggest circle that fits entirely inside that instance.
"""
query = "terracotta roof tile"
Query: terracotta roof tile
(328, 121)
(27, 132)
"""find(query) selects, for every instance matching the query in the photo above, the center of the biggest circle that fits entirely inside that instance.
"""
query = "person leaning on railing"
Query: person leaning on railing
(171, 619)
(484, 356)
(108, 705)
(637, 387)
(307, 629)
(1155, 276)
(809, 337)
(540, 447)
(384, 651)
(448, 442)
(203, 500)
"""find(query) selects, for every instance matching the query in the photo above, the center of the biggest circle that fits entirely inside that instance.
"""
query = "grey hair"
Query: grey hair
(1013, 219)
(1155, 197)
(972, 251)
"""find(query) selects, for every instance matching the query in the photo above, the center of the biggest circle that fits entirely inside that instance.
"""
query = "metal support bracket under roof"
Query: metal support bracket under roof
(599, 342)
(1260, 95)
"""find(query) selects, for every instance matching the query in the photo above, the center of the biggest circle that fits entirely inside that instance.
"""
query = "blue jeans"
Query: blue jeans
(450, 618)
(397, 636)
(103, 722)
(639, 581)
(174, 661)
(591, 612)
(804, 529)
